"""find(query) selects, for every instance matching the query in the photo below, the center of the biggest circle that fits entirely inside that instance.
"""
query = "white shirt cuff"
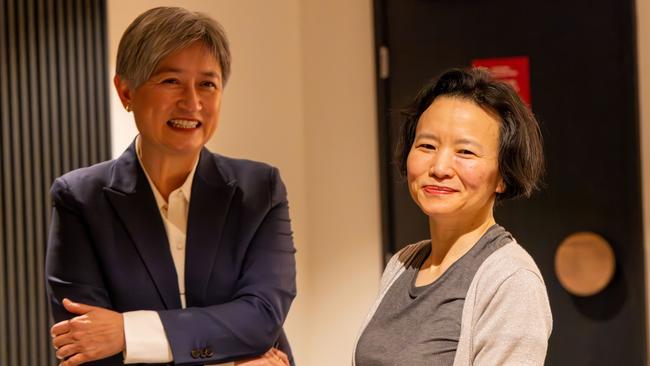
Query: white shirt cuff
(145, 338)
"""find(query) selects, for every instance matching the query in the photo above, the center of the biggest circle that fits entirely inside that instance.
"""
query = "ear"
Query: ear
(501, 186)
(123, 91)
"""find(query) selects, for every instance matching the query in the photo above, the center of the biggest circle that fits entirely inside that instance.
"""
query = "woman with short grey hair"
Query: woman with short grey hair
(161, 31)
(171, 253)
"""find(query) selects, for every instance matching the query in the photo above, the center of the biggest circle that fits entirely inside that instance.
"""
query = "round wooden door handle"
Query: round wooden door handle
(584, 263)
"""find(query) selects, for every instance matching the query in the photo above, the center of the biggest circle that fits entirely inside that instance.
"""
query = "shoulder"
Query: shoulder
(509, 260)
(399, 261)
(82, 182)
(244, 172)
(257, 181)
(507, 300)
(509, 276)
(236, 168)
(406, 255)
(97, 173)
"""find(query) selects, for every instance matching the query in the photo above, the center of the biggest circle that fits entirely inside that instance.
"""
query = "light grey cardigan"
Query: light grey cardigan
(506, 316)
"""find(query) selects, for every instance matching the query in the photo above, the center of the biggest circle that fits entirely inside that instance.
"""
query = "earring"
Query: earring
(128, 108)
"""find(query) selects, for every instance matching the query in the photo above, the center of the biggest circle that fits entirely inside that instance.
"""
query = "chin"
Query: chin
(437, 205)
(440, 215)
(434, 211)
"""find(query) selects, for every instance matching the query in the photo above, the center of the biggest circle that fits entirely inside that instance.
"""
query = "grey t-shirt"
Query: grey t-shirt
(418, 326)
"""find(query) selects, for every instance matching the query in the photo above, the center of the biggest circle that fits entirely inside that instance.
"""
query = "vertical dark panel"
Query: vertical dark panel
(101, 54)
(384, 134)
(4, 151)
(43, 168)
(53, 119)
(82, 82)
(55, 156)
(10, 195)
(25, 270)
(72, 91)
(61, 82)
(90, 84)
(32, 192)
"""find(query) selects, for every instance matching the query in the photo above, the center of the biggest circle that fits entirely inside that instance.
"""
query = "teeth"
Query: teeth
(180, 123)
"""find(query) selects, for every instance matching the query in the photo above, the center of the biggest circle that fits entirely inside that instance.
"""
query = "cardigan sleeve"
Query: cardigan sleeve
(514, 324)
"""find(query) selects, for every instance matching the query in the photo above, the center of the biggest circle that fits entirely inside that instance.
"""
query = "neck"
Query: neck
(167, 171)
(451, 238)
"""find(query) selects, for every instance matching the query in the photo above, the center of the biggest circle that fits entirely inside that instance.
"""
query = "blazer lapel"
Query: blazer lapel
(130, 195)
(209, 206)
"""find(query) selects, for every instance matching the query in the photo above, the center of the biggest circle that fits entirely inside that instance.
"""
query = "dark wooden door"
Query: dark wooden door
(583, 90)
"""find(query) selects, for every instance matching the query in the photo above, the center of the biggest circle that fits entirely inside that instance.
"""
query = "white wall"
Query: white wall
(301, 97)
(643, 44)
(342, 173)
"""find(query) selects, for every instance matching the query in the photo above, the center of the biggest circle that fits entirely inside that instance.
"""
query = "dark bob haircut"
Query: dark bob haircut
(521, 157)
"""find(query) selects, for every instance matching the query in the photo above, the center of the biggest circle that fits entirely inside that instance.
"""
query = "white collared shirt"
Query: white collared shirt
(174, 213)
(144, 334)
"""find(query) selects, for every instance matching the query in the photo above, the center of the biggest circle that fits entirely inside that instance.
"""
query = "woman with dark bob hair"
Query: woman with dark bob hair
(469, 295)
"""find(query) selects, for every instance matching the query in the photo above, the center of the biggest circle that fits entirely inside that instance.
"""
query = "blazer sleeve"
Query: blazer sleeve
(71, 266)
(252, 322)
(514, 327)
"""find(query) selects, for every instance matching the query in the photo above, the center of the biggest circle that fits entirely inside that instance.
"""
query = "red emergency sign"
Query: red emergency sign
(512, 70)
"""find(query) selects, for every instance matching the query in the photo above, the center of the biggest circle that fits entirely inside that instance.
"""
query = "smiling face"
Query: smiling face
(177, 109)
(452, 168)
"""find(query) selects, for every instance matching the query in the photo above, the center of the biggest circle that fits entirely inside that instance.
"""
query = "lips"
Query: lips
(433, 189)
(183, 123)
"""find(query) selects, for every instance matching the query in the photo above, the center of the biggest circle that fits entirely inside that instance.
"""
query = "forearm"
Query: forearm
(246, 327)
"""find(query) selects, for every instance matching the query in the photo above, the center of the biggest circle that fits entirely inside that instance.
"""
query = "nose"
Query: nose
(190, 100)
(441, 165)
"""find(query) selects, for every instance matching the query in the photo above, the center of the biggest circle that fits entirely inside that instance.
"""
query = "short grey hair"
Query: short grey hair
(158, 32)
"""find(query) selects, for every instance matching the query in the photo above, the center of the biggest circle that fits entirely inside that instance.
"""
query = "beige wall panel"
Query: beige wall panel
(342, 173)
(643, 42)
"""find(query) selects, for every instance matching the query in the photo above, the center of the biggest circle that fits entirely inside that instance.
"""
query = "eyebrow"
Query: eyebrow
(468, 142)
(465, 141)
(426, 136)
(213, 74)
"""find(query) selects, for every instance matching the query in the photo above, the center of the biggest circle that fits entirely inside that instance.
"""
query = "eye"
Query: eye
(170, 81)
(466, 152)
(426, 147)
(209, 84)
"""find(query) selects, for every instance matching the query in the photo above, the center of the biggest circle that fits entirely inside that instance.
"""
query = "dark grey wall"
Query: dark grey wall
(54, 118)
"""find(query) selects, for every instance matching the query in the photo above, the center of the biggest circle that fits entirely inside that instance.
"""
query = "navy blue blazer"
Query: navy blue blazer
(108, 247)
